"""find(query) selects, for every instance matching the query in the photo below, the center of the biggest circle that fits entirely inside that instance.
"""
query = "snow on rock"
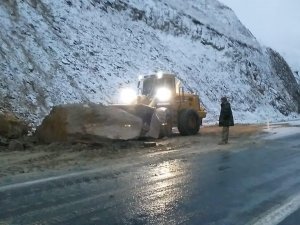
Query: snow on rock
(57, 52)
(297, 76)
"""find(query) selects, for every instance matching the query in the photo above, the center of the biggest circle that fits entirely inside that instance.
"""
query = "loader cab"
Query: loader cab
(151, 85)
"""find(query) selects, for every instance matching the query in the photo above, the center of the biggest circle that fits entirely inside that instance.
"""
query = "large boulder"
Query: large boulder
(88, 123)
(11, 126)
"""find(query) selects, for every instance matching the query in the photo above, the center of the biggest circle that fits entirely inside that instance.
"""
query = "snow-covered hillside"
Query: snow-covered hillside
(297, 75)
(54, 52)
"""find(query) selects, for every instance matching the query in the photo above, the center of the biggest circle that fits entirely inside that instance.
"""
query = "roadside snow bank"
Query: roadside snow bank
(277, 130)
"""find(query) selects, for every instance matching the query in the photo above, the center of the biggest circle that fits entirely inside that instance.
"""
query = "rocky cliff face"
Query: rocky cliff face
(54, 52)
(282, 70)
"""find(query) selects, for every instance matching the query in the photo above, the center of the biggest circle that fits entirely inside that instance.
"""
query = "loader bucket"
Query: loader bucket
(152, 118)
(144, 112)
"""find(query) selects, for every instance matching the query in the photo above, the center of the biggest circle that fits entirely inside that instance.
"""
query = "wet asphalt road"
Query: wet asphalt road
(229, 186)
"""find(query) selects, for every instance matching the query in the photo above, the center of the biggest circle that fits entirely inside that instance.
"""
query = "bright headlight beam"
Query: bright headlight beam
(128, 96)
(159, 74)
(163, 94)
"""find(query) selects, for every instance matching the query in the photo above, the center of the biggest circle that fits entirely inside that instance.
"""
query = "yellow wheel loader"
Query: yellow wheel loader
(162, 104)
(159, 105)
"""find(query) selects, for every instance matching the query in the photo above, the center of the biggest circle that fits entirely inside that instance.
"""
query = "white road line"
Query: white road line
(75, 174)
(39, 181)
(54, 178)
(279, 213)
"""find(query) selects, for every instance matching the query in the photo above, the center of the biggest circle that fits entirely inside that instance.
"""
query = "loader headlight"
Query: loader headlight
(163, 94)
(128, 96)
(159, 74)
(141, 77)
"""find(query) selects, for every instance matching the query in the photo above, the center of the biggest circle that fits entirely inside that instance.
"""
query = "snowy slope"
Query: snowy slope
(297, 74)
(54, 52)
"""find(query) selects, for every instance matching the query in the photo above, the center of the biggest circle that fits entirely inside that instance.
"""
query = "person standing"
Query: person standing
(225, 120)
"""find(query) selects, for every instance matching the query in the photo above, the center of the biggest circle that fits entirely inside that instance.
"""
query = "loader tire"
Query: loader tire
(188, 122)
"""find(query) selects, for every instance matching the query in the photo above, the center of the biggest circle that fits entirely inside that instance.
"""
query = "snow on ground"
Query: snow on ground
(281, 130)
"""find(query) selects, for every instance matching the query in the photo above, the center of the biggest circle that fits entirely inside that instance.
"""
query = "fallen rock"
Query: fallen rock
(15, 145)
(11, 126)
(29, 141)
(3, 141)
(88, 123)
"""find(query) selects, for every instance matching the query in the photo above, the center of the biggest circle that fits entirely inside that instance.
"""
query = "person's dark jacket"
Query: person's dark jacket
(226, 117)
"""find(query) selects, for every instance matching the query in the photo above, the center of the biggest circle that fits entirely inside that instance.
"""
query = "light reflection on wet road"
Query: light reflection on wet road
(229, 186)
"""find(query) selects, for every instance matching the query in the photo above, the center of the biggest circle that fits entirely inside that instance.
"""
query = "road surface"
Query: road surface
(253, 180)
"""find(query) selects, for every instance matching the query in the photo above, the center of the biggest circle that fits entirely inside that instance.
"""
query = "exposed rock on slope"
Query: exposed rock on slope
(283, 71)
(54, 52)
(11, 126)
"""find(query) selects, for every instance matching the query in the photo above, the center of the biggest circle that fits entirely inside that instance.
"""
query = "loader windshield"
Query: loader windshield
(151, 84)
(148, 87)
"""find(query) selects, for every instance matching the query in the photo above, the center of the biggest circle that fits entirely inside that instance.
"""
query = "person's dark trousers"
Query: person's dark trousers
(225, 134)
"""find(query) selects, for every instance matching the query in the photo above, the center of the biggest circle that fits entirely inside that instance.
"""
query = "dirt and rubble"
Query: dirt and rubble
(35, 158)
